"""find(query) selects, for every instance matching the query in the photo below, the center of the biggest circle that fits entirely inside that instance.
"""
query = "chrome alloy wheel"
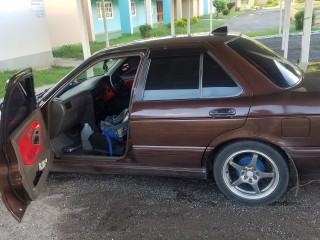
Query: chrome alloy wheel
(250, 174)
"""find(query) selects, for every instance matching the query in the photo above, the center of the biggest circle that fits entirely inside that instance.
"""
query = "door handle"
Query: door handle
(222, 112)
(36, 137)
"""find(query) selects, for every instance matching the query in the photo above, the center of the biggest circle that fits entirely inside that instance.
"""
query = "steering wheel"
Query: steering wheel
(117, 84)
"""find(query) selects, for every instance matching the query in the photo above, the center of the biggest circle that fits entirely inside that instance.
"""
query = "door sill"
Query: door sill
(126, 167)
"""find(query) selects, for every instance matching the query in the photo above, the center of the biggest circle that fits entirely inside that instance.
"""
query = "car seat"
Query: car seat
(114, 129)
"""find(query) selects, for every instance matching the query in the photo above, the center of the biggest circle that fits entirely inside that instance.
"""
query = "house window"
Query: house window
(108, 9)
(133, 8)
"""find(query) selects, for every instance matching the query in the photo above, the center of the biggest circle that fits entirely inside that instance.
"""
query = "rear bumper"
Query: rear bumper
(307, 161)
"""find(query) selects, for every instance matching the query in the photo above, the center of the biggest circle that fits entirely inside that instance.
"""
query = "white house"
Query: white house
(24, 37)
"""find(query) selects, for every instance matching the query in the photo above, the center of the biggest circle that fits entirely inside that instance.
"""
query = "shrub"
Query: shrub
(299, 17)
(230, 5)
(194, 19)
(145, 30)
(225, 11)
(237, 9)
(273, 3)
(219, 5)
(181, 22)
(270, 3)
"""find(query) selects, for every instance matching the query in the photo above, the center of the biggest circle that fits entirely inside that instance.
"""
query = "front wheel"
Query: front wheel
(251, 172)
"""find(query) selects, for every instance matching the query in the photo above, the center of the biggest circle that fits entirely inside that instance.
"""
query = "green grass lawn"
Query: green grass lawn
(299, 6)
(41, 77)
(75, 50)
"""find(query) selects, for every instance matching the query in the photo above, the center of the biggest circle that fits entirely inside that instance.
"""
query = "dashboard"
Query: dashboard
(75, 105)
(83, 100)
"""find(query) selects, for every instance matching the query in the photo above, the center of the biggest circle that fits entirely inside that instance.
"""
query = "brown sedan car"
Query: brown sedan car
(218, 104)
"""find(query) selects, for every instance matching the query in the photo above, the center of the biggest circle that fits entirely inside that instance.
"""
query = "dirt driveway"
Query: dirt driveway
(82, 206)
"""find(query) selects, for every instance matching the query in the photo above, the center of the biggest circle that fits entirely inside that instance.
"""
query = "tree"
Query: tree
(219, 5)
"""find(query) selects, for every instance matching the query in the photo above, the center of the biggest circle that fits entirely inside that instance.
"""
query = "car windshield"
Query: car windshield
(277, 69)
(99, 69)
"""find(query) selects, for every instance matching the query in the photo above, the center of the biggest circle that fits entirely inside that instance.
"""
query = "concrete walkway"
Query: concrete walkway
(67, 62)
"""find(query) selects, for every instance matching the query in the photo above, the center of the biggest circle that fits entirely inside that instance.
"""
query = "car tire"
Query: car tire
(251, 172)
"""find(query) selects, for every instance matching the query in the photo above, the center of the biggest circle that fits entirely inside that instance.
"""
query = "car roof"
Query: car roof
(170, 42)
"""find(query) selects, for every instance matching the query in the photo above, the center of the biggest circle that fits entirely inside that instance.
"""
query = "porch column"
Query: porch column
(173, 31)
(281, 17)
(210, 10)
(166, 11)
(179, 9)
(306, 36)
(105, 25)
(148, 12)
(286, 28)
(83, 29)
(188, 17)
(125, 16)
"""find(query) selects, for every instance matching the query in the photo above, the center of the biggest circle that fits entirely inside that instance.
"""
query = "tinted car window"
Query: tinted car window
(17, 109)
(174, 77)
(280, 71)
(216, 82)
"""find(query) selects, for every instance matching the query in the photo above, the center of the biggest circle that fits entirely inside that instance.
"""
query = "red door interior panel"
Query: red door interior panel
(30, 143)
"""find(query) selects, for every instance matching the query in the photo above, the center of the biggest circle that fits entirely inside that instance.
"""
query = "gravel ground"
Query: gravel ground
(83, 206)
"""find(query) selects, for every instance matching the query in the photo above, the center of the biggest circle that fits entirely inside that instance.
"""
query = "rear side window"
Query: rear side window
(174, 77)
(216, 81)
(277, 69)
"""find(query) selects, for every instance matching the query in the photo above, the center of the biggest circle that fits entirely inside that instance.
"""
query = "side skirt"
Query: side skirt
(103, 167)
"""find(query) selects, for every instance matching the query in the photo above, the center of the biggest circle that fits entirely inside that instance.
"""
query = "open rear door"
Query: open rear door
(25, 147)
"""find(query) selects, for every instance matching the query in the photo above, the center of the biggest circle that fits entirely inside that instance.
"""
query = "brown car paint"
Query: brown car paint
(163, 145)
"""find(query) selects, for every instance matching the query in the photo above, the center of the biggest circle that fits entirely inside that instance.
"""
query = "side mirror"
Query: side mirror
(105, 65)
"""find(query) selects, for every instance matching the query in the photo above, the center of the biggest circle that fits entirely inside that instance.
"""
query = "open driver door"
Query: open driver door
(25, 153)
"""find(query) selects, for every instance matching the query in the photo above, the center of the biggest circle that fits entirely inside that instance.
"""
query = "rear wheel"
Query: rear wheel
(251, 172)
